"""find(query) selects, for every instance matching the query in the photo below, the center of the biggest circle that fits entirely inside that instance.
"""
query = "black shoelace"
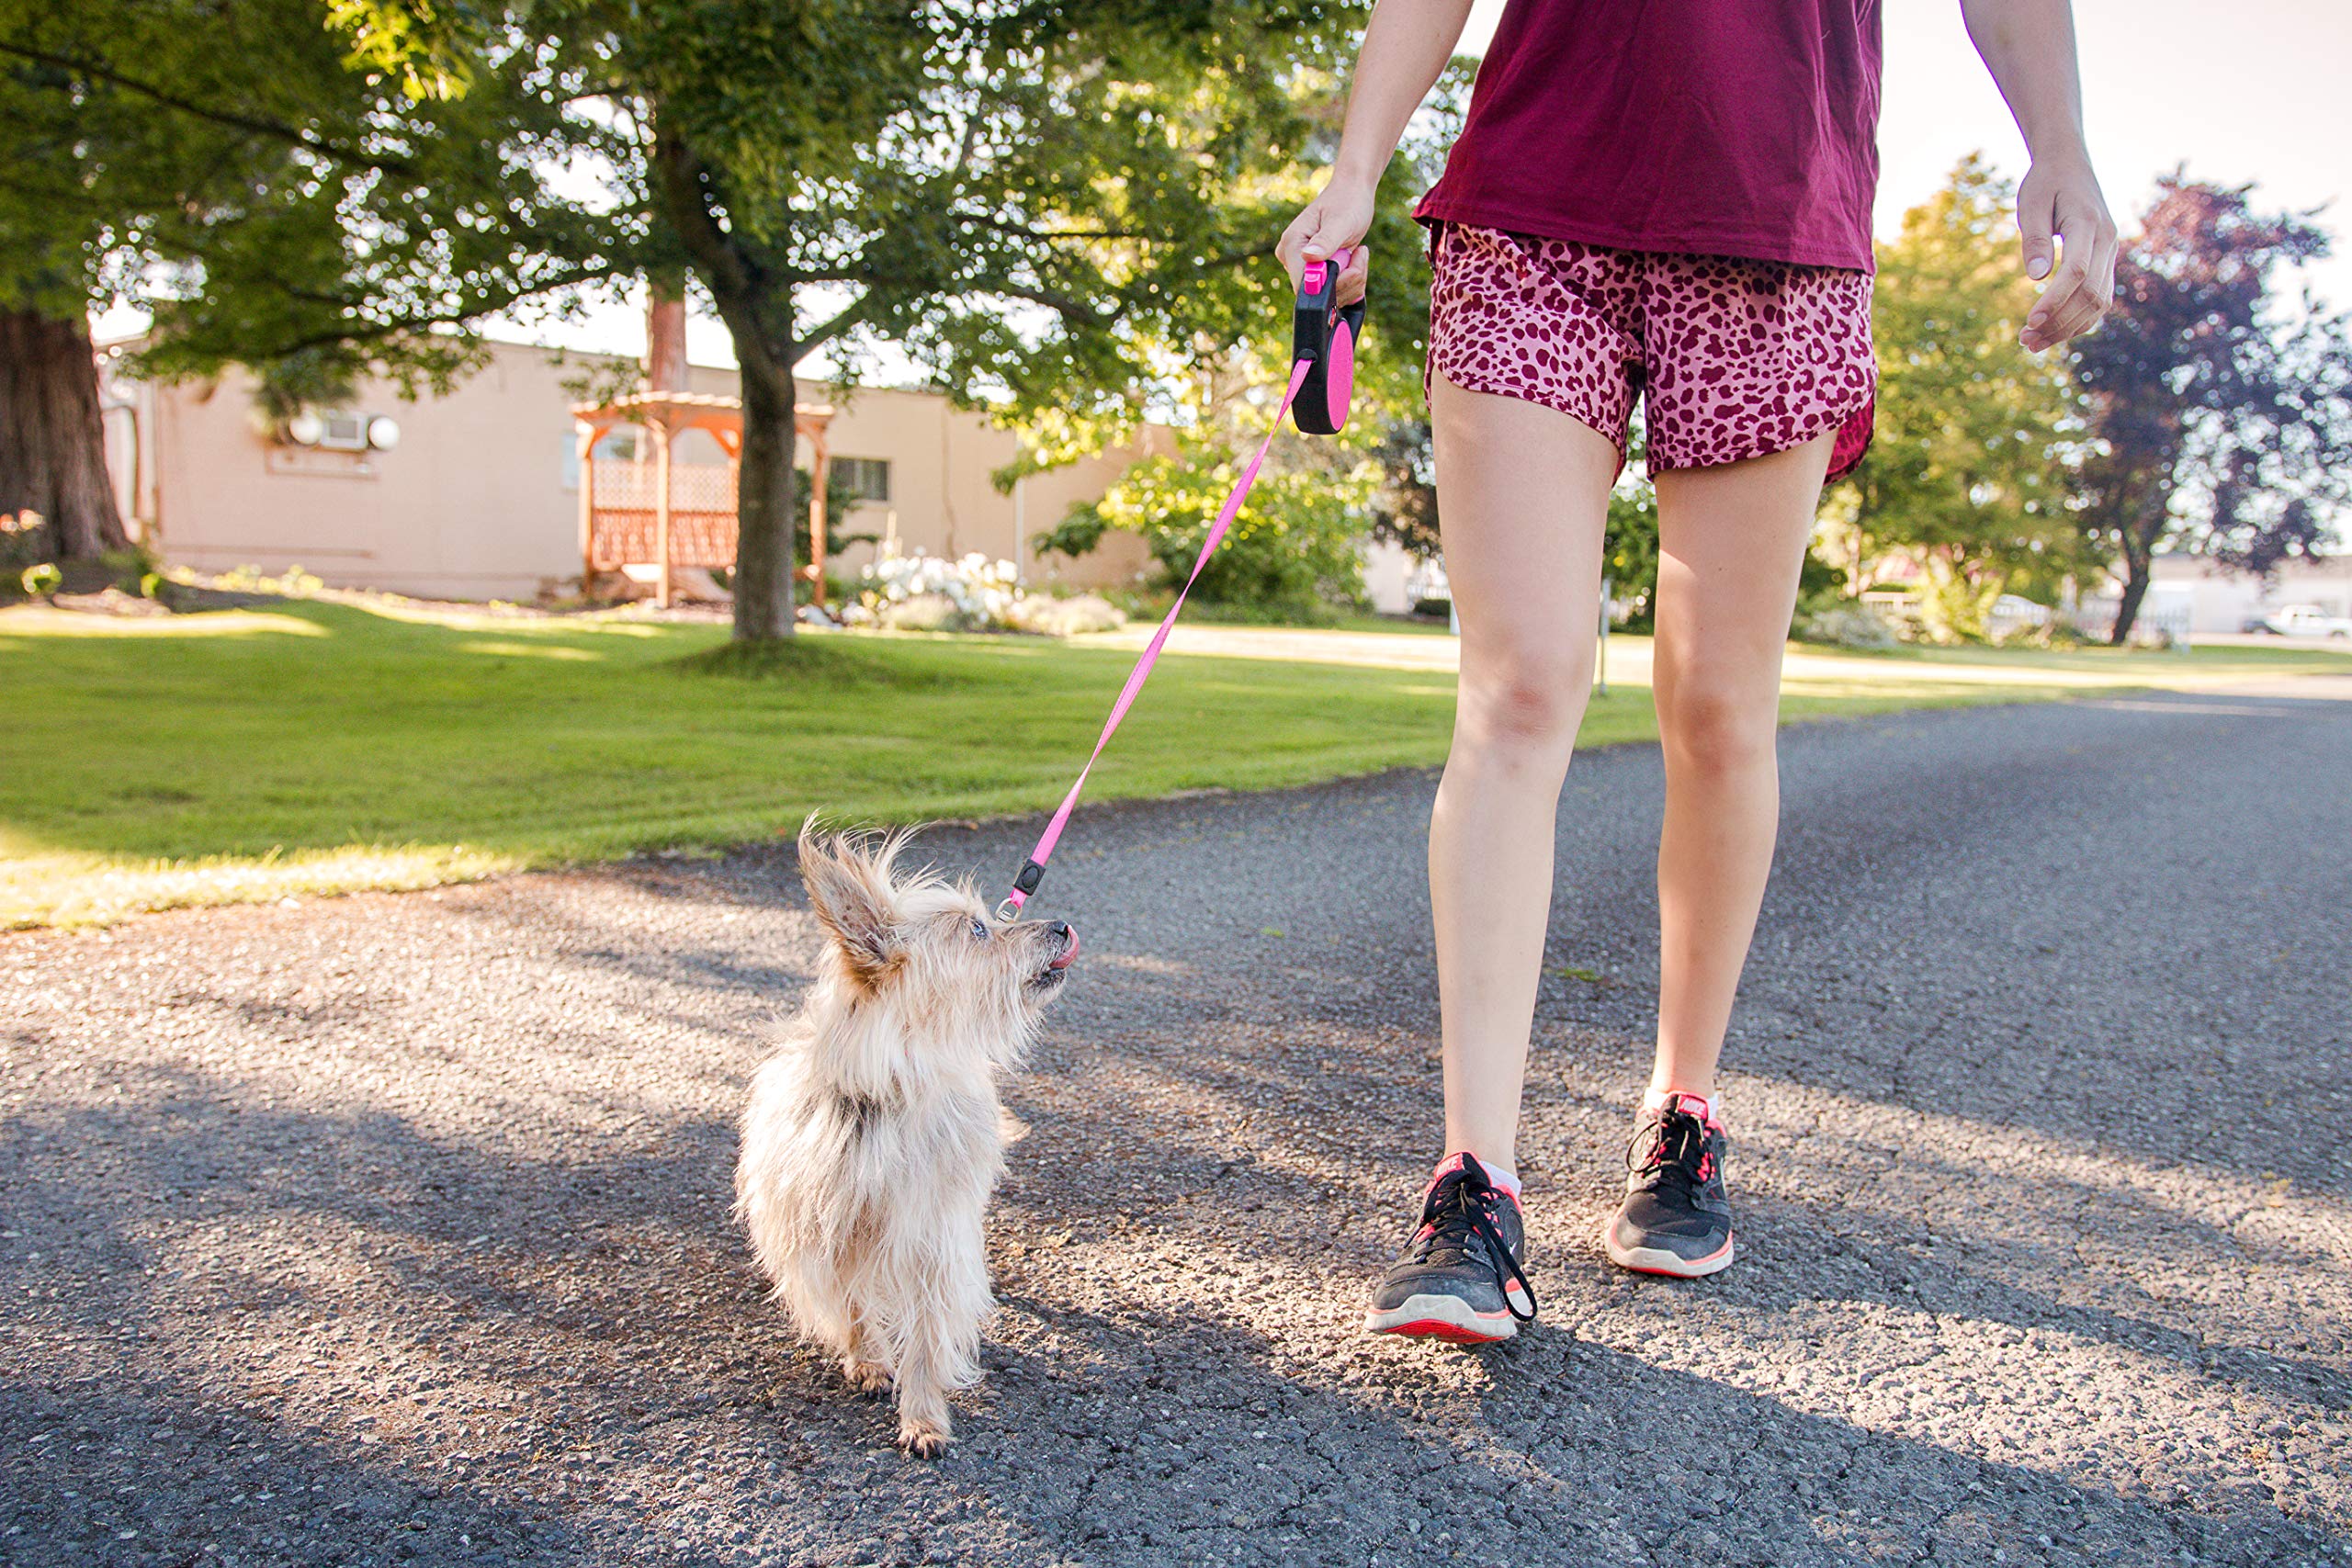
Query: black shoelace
(1674, 1148)
(1462, 1207)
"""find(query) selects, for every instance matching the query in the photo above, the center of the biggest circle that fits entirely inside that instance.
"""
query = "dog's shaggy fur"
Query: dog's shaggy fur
(873, 1138)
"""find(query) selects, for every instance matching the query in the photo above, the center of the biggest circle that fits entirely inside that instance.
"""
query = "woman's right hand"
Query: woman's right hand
(1334, 220)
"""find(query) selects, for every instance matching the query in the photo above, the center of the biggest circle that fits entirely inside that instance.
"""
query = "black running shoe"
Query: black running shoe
(1677, 1215)
(1460, 1277)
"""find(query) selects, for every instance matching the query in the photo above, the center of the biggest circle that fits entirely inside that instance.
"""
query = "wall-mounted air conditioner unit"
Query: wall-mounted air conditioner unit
(343, 430)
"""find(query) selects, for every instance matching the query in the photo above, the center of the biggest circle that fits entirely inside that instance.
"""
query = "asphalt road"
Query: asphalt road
(394, 1228)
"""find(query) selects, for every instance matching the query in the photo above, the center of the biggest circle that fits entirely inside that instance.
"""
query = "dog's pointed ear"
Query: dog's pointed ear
(851, 893)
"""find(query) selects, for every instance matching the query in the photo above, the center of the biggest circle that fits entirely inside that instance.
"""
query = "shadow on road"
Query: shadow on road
(396, 1229)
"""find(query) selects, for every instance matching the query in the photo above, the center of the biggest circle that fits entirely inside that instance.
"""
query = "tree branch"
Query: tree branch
(377, 330)
(805, 343)
(739, 286)
(278, 130)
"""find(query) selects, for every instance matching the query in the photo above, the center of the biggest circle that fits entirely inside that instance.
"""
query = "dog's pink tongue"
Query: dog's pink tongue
(1068, 952)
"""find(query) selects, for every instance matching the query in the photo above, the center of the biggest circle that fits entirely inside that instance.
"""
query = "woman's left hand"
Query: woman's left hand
(2062, 198)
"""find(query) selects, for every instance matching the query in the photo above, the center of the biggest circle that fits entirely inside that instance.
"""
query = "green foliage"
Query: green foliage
(1076, 534)
(1292, 546)
(1038, 205)
(1954, 605)
(41, 580)
(1629, 547)
(24, 542)
(1295, 548)
(230, 168)
(1971, 466)
(132, 569)
(1053, 209)
(428, 44)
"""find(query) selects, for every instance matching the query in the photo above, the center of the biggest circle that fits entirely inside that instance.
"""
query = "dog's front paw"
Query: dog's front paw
(865, 1377)
(923, 1439)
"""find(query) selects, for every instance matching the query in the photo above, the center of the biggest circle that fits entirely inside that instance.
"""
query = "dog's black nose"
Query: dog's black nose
(1059, 928)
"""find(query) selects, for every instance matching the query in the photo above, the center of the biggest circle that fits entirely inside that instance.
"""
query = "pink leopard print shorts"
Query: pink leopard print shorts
(1736, 358)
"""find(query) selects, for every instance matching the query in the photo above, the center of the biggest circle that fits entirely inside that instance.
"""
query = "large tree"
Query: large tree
(285, 184)
(1039, 202)
(1968, 469)
(1036, 201)
(2223, 427)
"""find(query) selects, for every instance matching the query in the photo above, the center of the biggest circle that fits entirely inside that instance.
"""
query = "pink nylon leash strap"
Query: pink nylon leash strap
(1334, 357)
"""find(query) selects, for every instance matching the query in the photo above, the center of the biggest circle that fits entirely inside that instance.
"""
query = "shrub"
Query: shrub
(24, 544)
(1048, 616)
(928, 592)
(1629, 548)
(1955, 605)
(291, 584)
(1291, 552)
(925, 612)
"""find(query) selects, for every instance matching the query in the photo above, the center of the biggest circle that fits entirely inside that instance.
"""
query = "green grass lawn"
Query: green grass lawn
(312, 746)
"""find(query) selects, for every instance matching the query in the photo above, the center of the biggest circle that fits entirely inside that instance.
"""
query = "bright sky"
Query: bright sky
(2241, 90)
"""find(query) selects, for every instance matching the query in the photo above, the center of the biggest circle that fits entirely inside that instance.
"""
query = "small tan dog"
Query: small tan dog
(874, 1136)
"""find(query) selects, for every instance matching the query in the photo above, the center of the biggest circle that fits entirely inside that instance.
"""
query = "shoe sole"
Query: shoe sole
(1449, 1318)
(1658, 1260)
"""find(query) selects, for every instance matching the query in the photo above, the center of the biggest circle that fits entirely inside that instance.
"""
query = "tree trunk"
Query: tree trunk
(52, 444)
(757, 308)
(762, 582)
(2138, 573)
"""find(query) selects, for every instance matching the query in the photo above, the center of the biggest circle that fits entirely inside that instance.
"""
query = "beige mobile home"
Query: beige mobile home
(476, 495)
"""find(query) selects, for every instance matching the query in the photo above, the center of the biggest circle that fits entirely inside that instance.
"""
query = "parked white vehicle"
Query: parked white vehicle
(2308, 620)
(2017, 610)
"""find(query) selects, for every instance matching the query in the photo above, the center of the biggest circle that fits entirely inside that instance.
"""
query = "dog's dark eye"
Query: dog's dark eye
(980, 928)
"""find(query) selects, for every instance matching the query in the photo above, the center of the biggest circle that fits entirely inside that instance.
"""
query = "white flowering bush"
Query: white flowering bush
(933, 593)
(1081, 613)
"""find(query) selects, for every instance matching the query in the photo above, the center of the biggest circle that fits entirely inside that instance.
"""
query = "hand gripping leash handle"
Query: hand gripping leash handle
(1323, 359)
(1323, 336)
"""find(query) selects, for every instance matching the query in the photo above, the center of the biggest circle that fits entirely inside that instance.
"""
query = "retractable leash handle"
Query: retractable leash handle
(1322, 376)
(1323, 335)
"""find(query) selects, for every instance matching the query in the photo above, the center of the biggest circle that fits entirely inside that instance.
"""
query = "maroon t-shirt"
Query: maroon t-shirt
(1744, 127)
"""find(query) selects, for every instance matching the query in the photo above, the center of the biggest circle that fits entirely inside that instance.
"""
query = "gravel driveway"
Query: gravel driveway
(394, 1228)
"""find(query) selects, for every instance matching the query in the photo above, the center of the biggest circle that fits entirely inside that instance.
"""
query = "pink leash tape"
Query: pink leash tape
(1316, 304)
(1033, 873)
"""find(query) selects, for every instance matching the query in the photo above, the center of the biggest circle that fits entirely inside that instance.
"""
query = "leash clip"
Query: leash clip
(1323, 336)
(1033, 872)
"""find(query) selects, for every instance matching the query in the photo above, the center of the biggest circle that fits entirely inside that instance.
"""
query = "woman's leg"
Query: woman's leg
(1523, 491)
(1731, 543)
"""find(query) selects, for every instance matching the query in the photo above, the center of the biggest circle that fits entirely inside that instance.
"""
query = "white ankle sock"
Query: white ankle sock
(1503, 1175)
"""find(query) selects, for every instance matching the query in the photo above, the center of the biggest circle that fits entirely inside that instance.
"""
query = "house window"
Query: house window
(865, 479)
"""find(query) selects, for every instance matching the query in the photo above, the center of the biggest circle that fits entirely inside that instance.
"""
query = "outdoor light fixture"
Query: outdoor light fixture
(306, 429)
(383, 433)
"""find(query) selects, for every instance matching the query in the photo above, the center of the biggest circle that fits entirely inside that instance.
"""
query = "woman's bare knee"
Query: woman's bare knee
(1529, 705)
(1717, 726)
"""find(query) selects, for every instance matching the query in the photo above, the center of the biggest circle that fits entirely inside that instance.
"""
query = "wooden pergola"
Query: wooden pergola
(665, 515)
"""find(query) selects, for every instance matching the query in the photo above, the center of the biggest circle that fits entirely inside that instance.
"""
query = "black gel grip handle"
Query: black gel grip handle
(1324, 334)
